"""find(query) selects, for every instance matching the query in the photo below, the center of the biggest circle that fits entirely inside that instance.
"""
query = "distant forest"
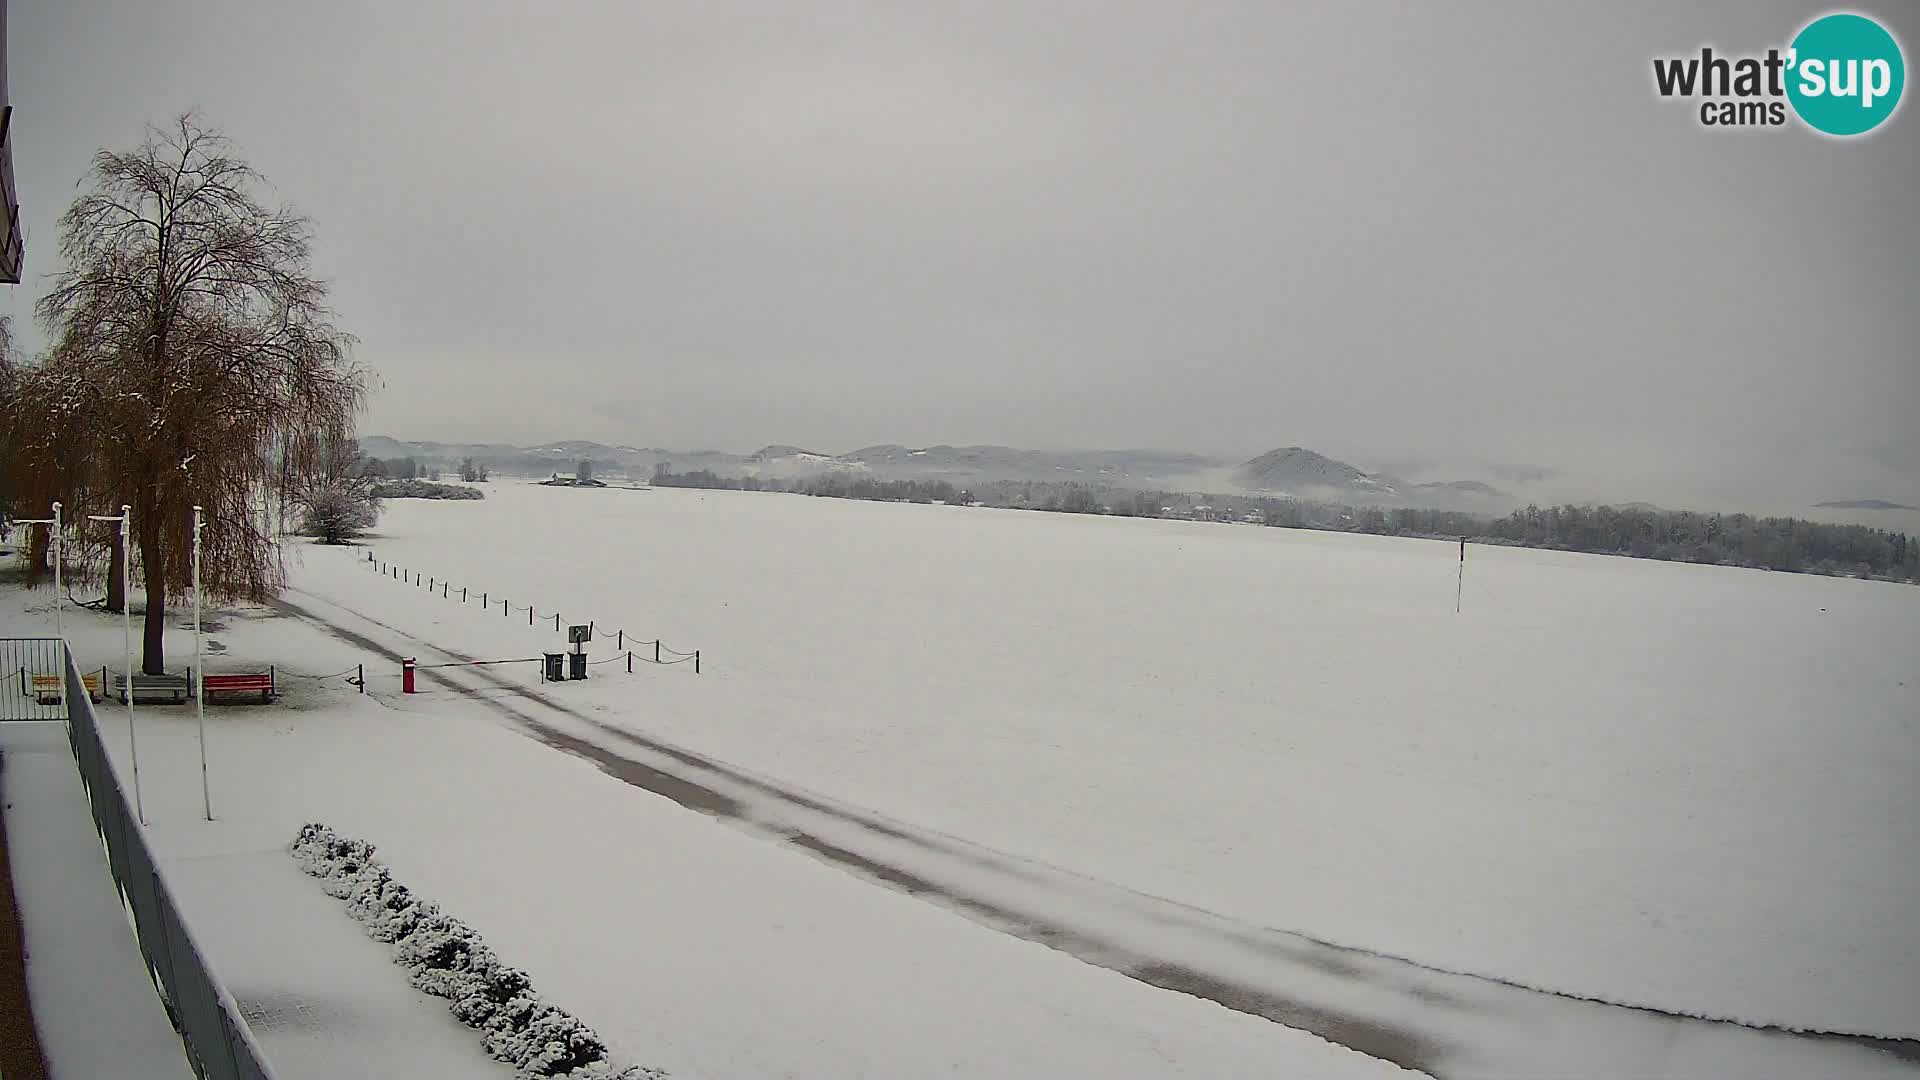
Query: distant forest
(1770, 543)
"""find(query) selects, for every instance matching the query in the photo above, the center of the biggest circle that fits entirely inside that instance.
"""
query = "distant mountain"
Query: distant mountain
(546, 458)
(1520, 474)
(770, 453)
(1297, 470)
(1463, 487)
(1863, 504)
(1292, 470)
(960, 464)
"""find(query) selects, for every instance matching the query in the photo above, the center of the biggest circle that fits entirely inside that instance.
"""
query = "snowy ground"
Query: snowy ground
(1679, 787)
(687, 944)
(1674, 786)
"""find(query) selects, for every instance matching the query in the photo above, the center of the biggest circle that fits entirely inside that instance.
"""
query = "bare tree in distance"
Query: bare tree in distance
(337, 500)
(216, 375)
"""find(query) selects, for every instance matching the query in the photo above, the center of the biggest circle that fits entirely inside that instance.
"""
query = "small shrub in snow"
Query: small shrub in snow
(446, 957)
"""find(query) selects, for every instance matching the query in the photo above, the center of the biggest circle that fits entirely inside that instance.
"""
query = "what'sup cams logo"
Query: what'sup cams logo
(1842, 75)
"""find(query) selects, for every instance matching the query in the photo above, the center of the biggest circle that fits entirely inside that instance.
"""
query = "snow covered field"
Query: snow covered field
(1676, 786)
(1680, 787)
(686, 944)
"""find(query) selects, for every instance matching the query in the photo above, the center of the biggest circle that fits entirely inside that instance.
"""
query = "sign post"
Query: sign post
(578, 636)
(1460, 581)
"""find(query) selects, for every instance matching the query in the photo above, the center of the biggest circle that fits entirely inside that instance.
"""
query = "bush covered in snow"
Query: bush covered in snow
(425, 489)
(338, 511)
(446, 958)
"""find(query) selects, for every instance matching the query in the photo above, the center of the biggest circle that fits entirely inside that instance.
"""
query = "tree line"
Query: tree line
(1771, 543)
(408, 467)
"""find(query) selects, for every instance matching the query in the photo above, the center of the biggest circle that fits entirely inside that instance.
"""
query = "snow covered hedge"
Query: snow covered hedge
(446, 958)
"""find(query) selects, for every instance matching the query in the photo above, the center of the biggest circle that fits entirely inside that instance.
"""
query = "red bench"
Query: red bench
(241, 683)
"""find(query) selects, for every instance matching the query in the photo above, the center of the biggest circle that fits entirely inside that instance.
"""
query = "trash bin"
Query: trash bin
(555, 670)
(576, 665)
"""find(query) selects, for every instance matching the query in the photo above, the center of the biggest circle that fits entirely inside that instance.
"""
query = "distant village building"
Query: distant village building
(582, 477)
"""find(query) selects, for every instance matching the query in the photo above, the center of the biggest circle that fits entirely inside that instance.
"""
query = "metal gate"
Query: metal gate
(32, 679)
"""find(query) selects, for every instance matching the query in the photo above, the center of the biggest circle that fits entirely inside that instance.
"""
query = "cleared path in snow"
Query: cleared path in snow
(1445, 1024)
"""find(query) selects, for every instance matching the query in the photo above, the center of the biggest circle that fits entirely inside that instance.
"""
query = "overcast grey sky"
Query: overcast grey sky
(1461, 232)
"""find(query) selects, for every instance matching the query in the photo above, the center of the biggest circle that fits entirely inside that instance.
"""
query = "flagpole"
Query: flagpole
(126, 630)
(59, 588)
(199, 671)
(59, 630)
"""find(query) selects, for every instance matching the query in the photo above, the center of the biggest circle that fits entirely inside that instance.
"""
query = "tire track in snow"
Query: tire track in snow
(1442, 1023)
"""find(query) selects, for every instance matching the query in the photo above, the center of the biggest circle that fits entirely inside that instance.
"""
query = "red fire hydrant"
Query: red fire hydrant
(406, 675)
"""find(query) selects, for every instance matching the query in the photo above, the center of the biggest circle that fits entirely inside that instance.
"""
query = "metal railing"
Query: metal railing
(32, 681)
(218, 1042)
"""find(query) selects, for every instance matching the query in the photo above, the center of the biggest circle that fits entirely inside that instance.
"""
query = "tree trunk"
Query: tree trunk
(116, 580)
(40, 543)
(153, 649)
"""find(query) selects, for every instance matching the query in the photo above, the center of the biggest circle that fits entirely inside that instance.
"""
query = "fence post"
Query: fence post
(463, 594)
(529, 614)
(620, 640)
(629, 661)
(363, 677)
(556, 620)
(444, 587)
(696, 661)
(656, 650)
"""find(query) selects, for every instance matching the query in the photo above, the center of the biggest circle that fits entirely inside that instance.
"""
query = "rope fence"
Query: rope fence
(624, 641)
(354, 670)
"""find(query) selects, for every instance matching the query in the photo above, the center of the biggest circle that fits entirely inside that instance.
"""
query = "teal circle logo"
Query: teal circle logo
(1845, 74)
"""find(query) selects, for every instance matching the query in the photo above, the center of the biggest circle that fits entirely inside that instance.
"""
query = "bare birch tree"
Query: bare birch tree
(200, 355)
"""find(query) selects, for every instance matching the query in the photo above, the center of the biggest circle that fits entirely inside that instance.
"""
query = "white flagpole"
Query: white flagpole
(199, 672)
(126, 629)
(59, 630)
(53, 523)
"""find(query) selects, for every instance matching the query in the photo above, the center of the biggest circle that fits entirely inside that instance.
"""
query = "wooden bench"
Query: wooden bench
(154, 689)
(52, 689)
(240, 683)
